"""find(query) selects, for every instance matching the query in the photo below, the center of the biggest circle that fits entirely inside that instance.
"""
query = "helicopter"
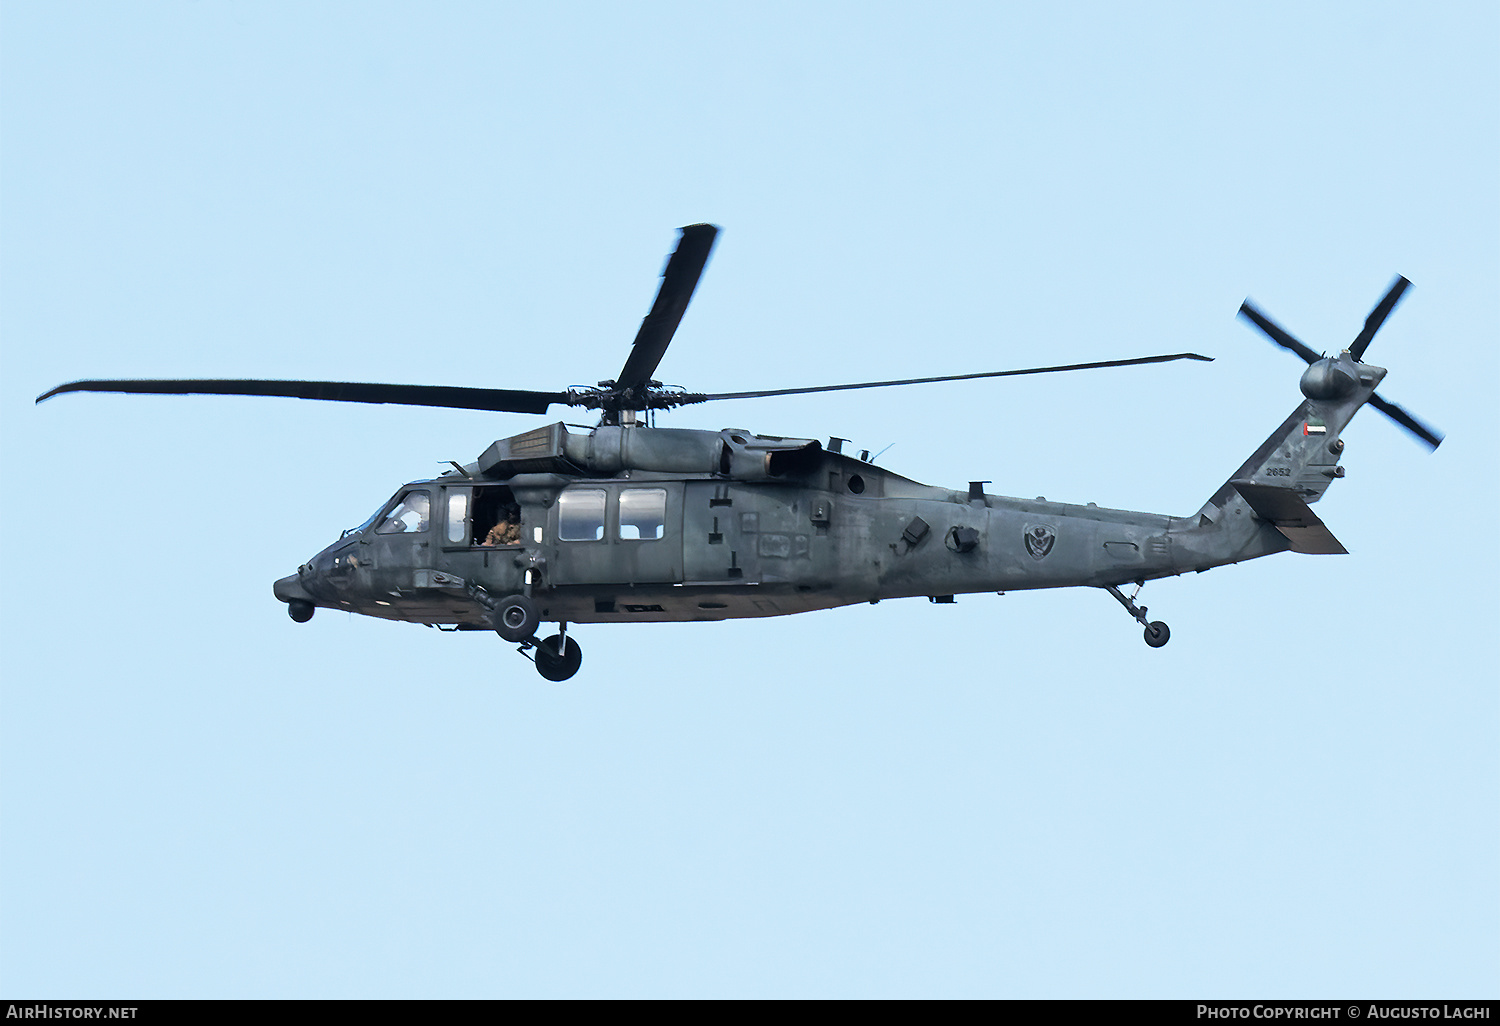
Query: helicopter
(627, 522)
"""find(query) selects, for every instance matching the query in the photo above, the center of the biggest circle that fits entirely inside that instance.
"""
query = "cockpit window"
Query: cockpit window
(410, 515)
(364, 526)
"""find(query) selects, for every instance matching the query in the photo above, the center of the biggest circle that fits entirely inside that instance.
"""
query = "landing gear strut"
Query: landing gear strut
(1157, 633)
(559, 657)
(516, 618)
(556, 658)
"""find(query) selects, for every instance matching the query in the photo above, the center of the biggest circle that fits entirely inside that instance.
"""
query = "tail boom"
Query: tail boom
(1265, 506)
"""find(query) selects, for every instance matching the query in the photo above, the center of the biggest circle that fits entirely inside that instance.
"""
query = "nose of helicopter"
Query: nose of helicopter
(300, 606)
(290, 589)
(322, 581)
(300, 602)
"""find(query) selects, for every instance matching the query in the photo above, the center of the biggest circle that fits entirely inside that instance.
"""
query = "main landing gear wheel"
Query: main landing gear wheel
(1157, 632)
(516, 618)
(558, 658)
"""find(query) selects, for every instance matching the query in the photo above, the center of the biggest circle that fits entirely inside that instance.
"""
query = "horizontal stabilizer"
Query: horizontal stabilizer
(1285, 510)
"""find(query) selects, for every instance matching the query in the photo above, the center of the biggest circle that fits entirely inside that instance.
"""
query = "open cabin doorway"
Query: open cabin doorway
(496, 517)
(481, 516)
(483, 531)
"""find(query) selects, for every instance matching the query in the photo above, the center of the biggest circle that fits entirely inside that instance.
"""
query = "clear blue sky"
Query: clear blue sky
(1010, 796)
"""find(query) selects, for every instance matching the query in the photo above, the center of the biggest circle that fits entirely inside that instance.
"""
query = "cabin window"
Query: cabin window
(580, 514)
(458, 516)
(410, 515)
(643, 513)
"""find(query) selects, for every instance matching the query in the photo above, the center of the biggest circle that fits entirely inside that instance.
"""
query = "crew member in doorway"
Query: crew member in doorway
(507, 531)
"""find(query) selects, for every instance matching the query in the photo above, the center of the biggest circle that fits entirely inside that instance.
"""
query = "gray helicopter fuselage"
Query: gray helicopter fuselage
(624, 522)
(635, 524)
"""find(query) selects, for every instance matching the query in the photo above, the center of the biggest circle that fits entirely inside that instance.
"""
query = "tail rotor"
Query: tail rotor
(1325, 373)
(1378, 315)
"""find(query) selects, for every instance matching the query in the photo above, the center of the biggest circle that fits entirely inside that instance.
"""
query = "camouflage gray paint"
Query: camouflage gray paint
(763, 526)
(629, 523)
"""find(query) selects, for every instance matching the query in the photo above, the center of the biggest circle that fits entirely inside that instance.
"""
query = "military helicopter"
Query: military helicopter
(627, 522)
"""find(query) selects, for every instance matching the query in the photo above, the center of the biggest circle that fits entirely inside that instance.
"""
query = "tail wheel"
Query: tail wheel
(558, 658)
(1157, 634)
(516, 618)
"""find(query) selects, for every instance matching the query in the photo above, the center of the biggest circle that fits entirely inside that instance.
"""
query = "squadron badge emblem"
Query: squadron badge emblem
(1039, 539)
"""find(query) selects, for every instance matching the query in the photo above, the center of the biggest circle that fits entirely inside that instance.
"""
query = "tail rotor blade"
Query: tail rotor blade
(1377, 317)
(1406, 420)
(1277, 333)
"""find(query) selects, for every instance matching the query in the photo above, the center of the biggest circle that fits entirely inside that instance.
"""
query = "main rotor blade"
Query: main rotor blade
(500, 400)
(1378, 315)
(678, 280)
(1277, 333)
(956, 377)
(1406, 420)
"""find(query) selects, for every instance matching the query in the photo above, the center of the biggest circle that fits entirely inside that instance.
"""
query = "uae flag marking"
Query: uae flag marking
(1314, 426)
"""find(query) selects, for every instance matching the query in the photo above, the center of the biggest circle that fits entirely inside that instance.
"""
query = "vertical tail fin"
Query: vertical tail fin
(1276, 486)
(1295, 465)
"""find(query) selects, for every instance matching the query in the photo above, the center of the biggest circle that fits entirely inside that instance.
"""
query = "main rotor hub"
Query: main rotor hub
(611, 398)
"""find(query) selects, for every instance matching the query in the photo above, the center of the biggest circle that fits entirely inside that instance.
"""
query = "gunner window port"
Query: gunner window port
(497, 517)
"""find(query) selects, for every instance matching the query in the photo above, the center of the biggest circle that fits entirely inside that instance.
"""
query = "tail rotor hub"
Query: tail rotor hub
(1330, 378)
(1338, 377)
